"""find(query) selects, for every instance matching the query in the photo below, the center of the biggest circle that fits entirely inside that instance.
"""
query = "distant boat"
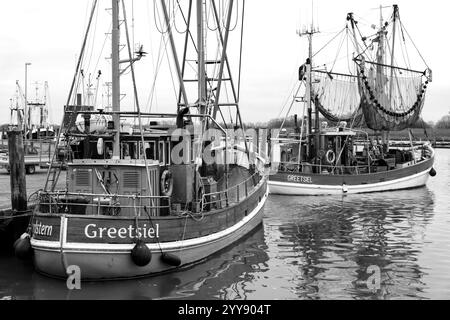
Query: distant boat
(129, 209)
(39, 142)
(338, 156)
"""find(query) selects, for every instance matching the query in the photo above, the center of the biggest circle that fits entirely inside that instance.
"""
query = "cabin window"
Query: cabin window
(129, 150)
(150, 150)
(168, 156)
(162, 153)
(125, 151)
(108, 153)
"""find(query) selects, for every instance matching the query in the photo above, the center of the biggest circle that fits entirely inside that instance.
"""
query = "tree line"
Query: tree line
(289, 122)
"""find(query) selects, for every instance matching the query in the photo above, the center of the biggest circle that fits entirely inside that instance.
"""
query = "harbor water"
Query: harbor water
(307, 248)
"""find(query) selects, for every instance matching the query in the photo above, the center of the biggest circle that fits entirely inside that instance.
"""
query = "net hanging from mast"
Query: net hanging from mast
(337, 96)
(392, 97)
(391, 103)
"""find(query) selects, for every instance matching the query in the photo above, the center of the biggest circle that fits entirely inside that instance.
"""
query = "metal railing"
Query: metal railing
(324, 169)
(101, 204)
(232, 194)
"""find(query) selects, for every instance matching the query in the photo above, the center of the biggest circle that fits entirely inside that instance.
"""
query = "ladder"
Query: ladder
(55, 168)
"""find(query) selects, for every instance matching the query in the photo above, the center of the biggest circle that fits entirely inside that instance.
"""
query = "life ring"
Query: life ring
(330, 156)
(166, 183)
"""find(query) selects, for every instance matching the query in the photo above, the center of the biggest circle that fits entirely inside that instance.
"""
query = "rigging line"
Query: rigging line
(92, 45)
(188, 30)
(348, 53)
(339, 50)
(132, 24)
(287, 113)
(401, 23)
(207, 20)
(157, 69)
(166, 51)
(405, 56)
(175, 20)
(94, 6)
(406, 50)
(237, 18)
(151, 49)
(149, 102)
(134, 46)
(362, 37)
(96, 91)
(398, 84)
(240, 53)
(287, 99)
(315, 54)
(171, 74)
(156, 12)
(101, 52)
(137, 100)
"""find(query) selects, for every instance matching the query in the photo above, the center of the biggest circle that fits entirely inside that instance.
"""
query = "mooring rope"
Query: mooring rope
(28, 214)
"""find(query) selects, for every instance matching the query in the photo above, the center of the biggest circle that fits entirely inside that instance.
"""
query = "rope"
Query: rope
(329, 42)
(175, 20)
(292, 103)
(77, 70)
(14, 216)
(401, 23)
(137, 101)
(155, 9)
(151, 221)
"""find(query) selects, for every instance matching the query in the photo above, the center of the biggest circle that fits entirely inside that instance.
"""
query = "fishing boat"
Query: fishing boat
(342, 145)
(31, 116)
(143, 199)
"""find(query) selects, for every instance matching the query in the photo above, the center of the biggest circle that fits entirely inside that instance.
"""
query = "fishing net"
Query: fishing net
(393, 98)
(337, 97)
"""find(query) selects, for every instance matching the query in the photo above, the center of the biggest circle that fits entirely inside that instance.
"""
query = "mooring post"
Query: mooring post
(18, 180)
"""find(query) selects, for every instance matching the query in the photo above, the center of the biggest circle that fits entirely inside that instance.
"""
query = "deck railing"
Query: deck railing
(224, 198)
(101, 204)
(324, 169)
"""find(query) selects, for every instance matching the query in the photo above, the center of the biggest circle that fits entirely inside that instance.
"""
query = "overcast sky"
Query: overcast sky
(48, 34)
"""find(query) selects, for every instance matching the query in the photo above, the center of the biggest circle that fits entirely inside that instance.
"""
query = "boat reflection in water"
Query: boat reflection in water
(336, 244)
(225, 275)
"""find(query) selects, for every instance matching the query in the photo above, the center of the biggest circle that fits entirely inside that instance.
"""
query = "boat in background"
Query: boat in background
(142, 201)
(337, 155)
(32, 116)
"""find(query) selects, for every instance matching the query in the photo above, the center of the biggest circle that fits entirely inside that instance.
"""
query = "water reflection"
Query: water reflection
(309, 248)
(332, 241)
(224, 276)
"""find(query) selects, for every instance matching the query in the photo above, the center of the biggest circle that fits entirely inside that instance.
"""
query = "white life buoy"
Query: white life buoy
(330, 156)
(100, 146)
(166, 183)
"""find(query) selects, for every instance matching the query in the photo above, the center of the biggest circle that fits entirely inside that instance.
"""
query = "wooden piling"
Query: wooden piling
(18, 181)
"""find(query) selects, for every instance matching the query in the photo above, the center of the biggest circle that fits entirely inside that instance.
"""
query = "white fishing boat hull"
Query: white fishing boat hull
(295, 189)
(298, 184)
(113, 261)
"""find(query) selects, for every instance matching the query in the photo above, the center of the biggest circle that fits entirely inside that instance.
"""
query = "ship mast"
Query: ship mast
(115, 39)
(380, 58)
(201, 58)
(391, 82)
(309, 33)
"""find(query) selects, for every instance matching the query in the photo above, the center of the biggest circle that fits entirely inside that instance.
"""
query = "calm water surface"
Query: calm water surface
(307, 248)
